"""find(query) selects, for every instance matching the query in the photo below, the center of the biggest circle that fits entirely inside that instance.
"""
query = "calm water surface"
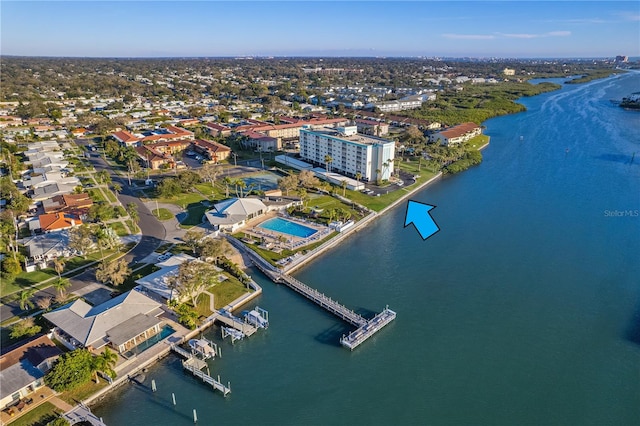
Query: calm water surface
(524, 309)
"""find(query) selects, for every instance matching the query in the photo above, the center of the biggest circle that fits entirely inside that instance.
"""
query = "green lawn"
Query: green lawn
(194, 215)
(132, 226)
(183, 200)
(39, 416)
(130, 282)
(395, 193)
(110, 195)
(477, 142)
(82, 392)
(227, 291)
(273, 257)
(25, 279)
(119, 228)
(162, 214)
(96, 195)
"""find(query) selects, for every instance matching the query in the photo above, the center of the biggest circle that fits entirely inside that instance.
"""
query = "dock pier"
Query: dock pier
(365, 328)
(195, 365)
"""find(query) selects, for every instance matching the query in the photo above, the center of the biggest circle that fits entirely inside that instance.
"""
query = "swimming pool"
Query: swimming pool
(287, 227)
(166, 331)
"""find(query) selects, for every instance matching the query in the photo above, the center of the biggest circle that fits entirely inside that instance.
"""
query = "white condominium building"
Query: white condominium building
(351, 153)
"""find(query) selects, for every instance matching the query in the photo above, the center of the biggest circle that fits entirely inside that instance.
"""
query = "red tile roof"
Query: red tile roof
(125, 136)
(211, 146)
(57, 221)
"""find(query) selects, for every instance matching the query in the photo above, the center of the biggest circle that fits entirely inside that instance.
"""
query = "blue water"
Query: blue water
(166, 331)
(287, 227)
(523, 310)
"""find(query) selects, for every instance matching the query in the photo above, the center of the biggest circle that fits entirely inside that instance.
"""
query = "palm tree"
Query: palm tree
(328, 160)
(58, 265)
(132, 210)
(105, 362)
(227, 181)
(344, 187)
(358, 176)
(242, 185)
(25, 298)
(61, 285)
(116, 188)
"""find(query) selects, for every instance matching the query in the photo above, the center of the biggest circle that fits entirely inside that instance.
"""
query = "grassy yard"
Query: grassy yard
(23, 280)
(82, 392)
(132, 226)
(477, 142)
(39, 416)
(395, 193)
(194, 215)
(96, 195)
(227, 291)
(273, 257)
(183, 200)
(119, 228)
(110, 195)
(130, 282)
(162, 214)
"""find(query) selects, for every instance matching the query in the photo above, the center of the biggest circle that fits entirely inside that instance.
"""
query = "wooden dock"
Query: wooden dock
(195, 365)
(365, 328)
(362, 333)
(228, 319)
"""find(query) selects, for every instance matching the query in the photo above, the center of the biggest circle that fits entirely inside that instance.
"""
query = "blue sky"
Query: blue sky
(307, 28)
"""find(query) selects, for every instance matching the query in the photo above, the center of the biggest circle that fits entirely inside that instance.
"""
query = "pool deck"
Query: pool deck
(272, 240)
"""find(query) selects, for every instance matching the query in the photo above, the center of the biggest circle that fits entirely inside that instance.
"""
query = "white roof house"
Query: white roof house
(84, 325)
(233, 213)
(157, 281)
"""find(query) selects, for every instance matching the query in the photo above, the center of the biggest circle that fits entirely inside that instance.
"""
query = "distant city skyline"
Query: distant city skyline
(540, 29)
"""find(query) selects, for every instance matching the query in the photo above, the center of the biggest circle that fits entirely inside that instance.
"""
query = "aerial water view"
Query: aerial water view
(319, 213)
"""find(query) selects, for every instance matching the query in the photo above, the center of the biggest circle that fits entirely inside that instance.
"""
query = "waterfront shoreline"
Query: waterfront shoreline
(334, 242)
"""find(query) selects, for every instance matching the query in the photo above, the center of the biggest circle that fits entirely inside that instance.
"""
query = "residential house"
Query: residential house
(153, 159)
(456, 135)
(22, 370)
(127, 138)
(158, 281)
(68, 203)
(259, 141)
(122, 322)
(212, 150)
(372, 127)
(170, 147)
(51, 222)
(42, 193)
(46, 247)
(215, 129)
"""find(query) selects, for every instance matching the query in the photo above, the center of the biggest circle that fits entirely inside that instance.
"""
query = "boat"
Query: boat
(202, 347)
(230, 331)
(254, 318)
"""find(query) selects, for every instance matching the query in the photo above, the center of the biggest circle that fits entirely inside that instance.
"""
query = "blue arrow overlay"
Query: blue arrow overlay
(418, 214)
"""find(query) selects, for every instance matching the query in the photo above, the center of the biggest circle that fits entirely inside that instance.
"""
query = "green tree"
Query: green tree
(71, 370)
(132, 210)
(214, 248)
(24, 298)
(58, 266)
(105, 362)
(187, 316)
(115, 272)
(24, 328)
(116, 188)
(11, 267)
(328, 160)
(192, 238)
(227, 182)
(61, 286)
(288, 183)
(343, 184)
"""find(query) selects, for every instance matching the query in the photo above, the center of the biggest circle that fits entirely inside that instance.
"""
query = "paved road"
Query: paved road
(153, 234)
